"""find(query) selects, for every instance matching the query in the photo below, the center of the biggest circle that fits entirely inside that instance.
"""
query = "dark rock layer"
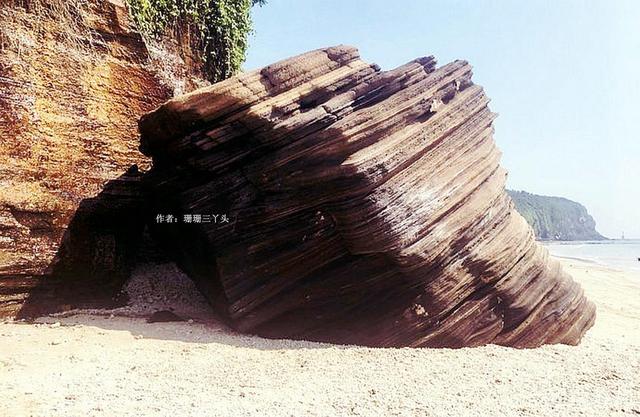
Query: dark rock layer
(364, 207)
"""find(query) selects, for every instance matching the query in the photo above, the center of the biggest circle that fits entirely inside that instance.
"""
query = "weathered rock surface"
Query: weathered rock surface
(73, 83)
(365, 207)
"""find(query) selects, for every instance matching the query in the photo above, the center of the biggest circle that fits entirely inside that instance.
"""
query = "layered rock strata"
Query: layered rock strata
(322, 198)
(73, 83)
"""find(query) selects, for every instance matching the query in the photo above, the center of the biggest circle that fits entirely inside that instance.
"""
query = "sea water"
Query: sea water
(618, 254)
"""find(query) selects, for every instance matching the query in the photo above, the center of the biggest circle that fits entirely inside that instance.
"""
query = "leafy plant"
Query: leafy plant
(216, 29)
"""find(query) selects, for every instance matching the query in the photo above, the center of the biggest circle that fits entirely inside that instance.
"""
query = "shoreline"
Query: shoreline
(592, 262)
(625, 258)
(108, 365)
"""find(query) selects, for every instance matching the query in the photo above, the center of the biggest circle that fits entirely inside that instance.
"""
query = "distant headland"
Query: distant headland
(555, 218)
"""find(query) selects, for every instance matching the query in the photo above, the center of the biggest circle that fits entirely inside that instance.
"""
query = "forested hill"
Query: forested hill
(555, 218)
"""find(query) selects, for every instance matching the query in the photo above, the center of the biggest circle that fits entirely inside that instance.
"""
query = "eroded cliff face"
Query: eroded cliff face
(360, 206)
(73, 83)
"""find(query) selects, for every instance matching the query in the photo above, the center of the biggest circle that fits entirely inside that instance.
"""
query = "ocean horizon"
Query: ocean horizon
(622, 254)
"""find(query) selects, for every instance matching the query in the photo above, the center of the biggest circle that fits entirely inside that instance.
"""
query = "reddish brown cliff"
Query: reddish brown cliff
(73, 83)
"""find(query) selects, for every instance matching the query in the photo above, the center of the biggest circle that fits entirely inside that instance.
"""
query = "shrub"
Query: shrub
(216, 29)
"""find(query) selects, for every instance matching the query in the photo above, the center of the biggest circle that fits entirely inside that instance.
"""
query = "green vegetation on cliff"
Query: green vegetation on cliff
(555, 218)
(217, 29)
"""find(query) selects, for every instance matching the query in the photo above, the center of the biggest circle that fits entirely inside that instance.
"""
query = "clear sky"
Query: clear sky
(564, 77)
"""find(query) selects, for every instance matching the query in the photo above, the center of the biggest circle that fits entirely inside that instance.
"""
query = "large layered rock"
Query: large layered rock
(74, 79)
(364, 207)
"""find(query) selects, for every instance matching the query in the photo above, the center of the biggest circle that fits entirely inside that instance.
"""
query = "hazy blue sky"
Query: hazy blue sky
(563, 75)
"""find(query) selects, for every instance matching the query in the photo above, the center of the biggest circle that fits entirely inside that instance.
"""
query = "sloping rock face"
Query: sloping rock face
(322, 198)
(73, 83)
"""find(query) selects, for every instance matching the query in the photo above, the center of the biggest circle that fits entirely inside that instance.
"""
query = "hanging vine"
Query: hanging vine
(217, 29)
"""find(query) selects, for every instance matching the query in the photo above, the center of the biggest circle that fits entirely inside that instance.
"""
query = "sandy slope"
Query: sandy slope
(89, 364)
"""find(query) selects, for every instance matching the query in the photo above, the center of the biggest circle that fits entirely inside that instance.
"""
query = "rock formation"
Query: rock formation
(73, 83)
(555, 218)
(322, 198)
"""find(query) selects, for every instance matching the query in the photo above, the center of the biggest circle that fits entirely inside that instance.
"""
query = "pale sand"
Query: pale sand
(92, 365)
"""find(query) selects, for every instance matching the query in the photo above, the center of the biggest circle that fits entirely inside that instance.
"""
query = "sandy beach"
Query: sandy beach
(114, 363)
